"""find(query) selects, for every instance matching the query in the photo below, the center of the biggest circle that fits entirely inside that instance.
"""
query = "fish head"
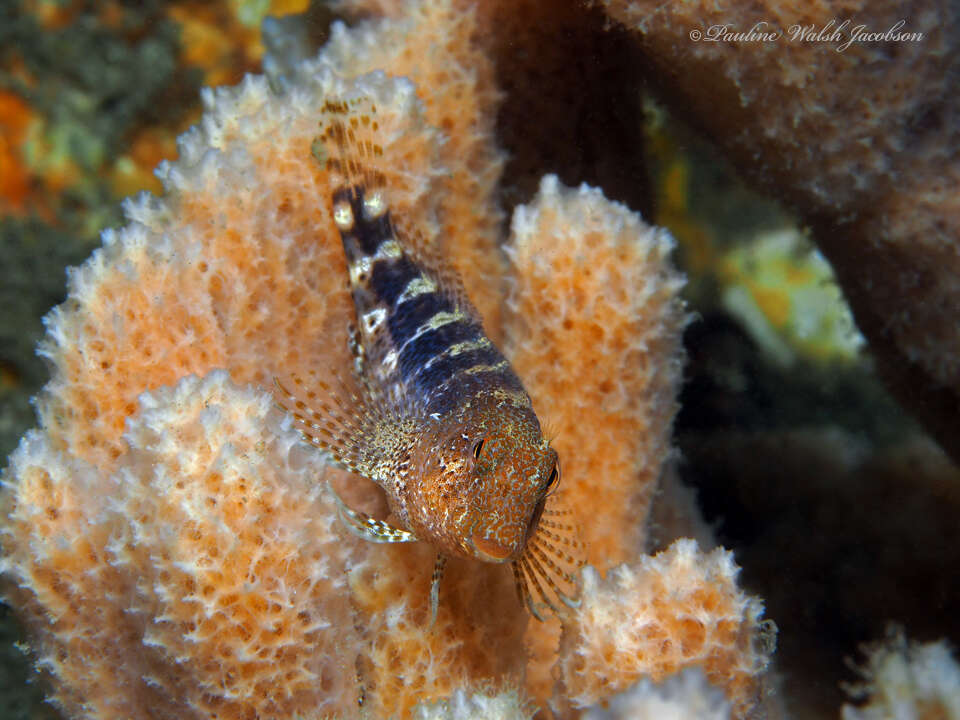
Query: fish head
(486, 483)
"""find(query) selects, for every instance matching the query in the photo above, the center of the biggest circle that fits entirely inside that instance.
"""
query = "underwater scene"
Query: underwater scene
(507, 360)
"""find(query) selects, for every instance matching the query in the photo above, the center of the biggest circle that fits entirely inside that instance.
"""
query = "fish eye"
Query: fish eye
(554, 478)
(478, 447)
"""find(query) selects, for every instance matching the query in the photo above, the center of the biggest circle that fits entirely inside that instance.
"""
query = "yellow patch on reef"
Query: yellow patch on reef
(774, 302)
(288, 7)
(50, 15)
(215, 39)
(48, 155)
(784, 293)
(674, 191)
(133, 171)
(797, 274)
(695, 239)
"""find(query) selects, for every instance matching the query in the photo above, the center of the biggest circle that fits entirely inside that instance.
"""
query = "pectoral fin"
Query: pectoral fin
(370, 528)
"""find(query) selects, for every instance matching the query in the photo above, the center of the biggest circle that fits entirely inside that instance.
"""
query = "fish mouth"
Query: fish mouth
(490, 550)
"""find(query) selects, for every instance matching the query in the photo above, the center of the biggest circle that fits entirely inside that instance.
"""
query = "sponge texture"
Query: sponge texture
(593, 288)
(654, 618)
(203, 577)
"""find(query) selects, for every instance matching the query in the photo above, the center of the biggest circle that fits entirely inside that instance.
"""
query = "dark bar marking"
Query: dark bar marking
(409, 316)
(445, 368)
(425, 347)
(389, 276)
(462, 387)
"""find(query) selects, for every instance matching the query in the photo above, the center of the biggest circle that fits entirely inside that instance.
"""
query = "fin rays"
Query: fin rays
(335, 417)
(369, 528)
(545, 575)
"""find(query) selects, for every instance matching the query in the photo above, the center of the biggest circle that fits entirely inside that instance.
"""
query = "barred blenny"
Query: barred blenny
(433, 412)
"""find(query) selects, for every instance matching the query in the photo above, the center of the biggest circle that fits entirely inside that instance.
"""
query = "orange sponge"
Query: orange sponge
(594, 331)
(203, 578)
(171, 544)
(655, 617)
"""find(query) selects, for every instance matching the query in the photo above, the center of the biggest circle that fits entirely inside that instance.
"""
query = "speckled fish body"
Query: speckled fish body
(478, 467)
(437, 416)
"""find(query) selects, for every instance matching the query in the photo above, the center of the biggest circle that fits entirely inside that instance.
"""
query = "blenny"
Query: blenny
(431, 411)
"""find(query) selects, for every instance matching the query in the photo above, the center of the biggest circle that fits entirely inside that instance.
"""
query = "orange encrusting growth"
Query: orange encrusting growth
(250, 277)
(15, 116)
(251, 587)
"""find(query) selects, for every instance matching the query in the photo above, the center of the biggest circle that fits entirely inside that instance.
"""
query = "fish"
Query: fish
(431, 410)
